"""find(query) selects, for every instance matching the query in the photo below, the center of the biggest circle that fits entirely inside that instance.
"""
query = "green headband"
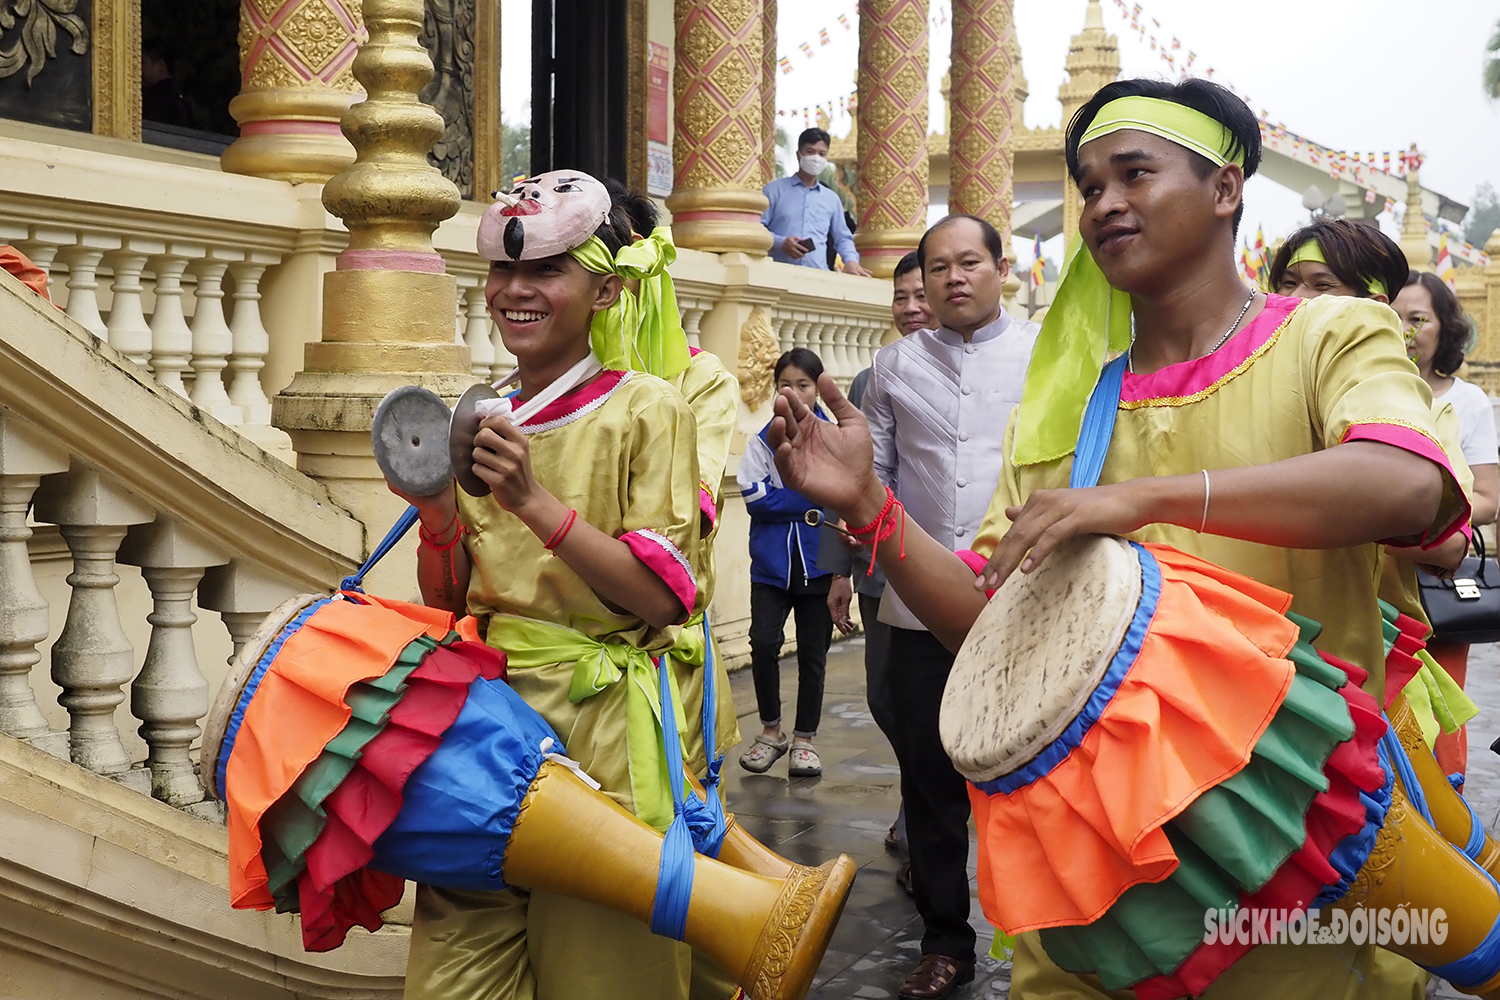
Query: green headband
(1190, 129)
(642, 333)
(1311, 251)
(1088, 318)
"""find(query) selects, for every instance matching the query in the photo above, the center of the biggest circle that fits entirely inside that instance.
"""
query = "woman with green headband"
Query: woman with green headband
(1339, 257)
(573, 562)
(1283, 439)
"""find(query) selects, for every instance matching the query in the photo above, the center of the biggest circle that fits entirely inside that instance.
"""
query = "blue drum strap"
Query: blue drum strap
(1098, 425)
(400, 528)
(712, 841)
(1402, 764)
(674, 879)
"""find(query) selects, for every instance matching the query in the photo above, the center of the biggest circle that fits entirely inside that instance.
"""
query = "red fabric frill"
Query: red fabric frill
(1401, 663)
(336, 891)
(1333, 815)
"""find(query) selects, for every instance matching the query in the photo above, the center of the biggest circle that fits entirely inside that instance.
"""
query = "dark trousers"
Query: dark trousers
(769, 606)
(934, 794)
(878, 667)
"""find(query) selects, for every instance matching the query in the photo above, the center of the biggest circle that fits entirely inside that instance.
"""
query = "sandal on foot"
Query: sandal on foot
(903, 878)
(937, 976)
(763, 753)
(805, 762)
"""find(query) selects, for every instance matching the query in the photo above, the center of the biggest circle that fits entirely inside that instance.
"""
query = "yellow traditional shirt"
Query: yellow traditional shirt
(1301, 377)
(622, 452)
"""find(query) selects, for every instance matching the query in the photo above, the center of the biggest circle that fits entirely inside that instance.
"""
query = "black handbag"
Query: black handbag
(1465, 609)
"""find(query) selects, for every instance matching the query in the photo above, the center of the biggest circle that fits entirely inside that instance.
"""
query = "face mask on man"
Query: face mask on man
(812, 165)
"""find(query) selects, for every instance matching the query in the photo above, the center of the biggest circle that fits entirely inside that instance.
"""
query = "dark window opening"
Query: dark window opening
(190, 71)
(578, 86)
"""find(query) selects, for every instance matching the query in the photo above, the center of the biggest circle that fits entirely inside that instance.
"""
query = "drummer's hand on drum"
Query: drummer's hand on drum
(833, 465)
(1051, 517)
(502, 458)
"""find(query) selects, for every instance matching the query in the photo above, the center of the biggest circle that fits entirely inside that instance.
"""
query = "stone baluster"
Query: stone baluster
(249, 341)
(171, 694)
(127, 330)
(843, 332)
(42, 246)
(867, 341)
(92, 658)
(477, 330)
(171, 338)
(786, 329)
(83, 279)
(802, 332)
(460, 318)
(243, 594)
(212, 339)
(25, 456)
(693, 310)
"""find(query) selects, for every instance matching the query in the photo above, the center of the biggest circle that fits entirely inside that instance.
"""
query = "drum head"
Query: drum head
(216, 723)
(410, 439)
(1035, 655)
(461, 431)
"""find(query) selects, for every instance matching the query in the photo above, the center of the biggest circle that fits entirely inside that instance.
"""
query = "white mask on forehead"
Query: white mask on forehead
(812, 165)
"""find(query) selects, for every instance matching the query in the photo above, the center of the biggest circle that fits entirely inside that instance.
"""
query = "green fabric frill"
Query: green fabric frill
(1229, 841)
(297, 819)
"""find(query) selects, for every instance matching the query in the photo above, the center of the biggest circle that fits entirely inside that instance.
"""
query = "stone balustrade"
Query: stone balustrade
(160, 521)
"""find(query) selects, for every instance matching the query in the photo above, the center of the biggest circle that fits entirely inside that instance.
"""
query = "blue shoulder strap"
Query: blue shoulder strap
(401, 527)
(1098, 425)
(674, 878)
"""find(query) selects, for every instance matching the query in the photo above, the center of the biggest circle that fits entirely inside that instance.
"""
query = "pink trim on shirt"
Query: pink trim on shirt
(975, 562)
(573, 403)
(1172, 384)
(666, 561)
(707, 506)
(1414, 441)
(693, 352)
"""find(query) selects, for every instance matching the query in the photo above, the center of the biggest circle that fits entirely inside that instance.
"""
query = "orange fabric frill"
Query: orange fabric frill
(299, 706)
(1061, 850)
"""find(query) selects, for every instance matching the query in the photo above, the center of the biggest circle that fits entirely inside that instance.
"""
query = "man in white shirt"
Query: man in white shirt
(937, 404)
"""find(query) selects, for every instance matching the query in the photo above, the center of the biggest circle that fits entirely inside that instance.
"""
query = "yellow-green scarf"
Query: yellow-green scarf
(640, 332)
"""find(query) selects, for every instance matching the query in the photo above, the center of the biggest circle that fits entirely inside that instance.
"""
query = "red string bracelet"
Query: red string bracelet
(561, 532)
(883, 527)
(444, 548)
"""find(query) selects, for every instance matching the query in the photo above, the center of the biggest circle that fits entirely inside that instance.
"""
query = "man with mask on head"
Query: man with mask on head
(803, 213)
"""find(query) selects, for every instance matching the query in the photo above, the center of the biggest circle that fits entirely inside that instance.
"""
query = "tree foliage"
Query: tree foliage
(1492, 65)
(1484, 215)
(515, 150)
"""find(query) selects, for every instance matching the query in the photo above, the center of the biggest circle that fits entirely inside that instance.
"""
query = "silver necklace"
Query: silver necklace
(1130, 355)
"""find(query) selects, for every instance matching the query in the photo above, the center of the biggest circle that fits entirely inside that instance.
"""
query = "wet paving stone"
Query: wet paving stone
(849, 809)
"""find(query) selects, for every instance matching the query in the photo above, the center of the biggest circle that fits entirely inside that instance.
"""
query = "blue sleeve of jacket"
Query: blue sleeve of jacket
(760, 486)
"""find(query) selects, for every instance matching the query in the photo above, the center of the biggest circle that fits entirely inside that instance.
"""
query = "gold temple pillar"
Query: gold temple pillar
(388, 307)
(1093, 60)
(718, 153)
(981, 146)
(768, 91)
(296, 82)
(891, 132)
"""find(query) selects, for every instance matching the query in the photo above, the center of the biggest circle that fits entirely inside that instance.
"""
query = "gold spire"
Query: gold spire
(1093, 60)
(392, 198)
(1413, 226)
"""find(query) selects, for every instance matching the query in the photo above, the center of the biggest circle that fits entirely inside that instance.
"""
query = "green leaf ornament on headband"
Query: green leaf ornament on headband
(1089, 319)
(641, 331)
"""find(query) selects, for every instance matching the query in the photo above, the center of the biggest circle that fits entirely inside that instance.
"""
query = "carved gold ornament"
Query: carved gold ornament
(759, 350)
(39, 20)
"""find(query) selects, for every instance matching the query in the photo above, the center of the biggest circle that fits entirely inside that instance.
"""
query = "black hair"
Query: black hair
(1200, 95)
(1356, 254)
(989, 233)
(640, 209)
(1456, 329)
(812, 135)
(159, 49)
(906, 265)
(800, 357)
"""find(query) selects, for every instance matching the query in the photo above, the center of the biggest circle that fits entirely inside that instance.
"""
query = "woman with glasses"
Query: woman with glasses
(1438, 335)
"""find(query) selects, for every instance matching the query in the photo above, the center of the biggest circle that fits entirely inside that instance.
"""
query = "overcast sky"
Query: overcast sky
(1374, 76)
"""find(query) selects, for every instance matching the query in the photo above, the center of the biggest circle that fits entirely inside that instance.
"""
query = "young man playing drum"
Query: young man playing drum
(1282, 439)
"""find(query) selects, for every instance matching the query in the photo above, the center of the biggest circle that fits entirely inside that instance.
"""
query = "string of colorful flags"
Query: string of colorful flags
(938, 18)
(1255, 261)
(812, 114)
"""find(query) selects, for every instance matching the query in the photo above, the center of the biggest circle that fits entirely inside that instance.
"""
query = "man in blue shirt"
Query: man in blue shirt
(803, 213)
